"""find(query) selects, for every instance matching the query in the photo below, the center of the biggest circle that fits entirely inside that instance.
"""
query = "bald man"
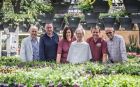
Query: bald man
(48, 44)
(116, 46)
(30, 46)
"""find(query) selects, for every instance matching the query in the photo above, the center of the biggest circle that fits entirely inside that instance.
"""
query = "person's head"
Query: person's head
(109, 32)
(80, 32)
(49, 28)
(95, 32)
(67, 33)
(33, 30)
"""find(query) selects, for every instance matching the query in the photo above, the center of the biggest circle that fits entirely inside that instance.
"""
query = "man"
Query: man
(30, 46)
(79, 51)
(48, 44)
(98, 46)
(116, 46)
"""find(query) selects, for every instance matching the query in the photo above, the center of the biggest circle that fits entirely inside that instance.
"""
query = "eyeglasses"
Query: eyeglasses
(109, 33)
(95, 32)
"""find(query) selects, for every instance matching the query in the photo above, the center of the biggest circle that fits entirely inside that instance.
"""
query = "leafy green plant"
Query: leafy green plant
(87, 5)
(132, 45)
(44, 8)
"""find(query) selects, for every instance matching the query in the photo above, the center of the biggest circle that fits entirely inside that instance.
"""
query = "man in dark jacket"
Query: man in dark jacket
(48, 44)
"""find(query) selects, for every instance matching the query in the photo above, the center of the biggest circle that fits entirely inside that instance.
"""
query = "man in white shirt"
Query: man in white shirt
(79, 51)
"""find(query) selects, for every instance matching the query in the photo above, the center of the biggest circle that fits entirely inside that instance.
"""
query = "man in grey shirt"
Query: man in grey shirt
(30, 46)
(116, 46)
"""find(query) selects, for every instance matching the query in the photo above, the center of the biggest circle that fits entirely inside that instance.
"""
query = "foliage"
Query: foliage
(50, 73)
(117, 14)
(9, 61)
(44, 7)
(87, 5)
(132, 46)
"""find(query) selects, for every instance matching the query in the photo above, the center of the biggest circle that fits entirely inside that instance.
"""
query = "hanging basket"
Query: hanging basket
(73, 22)
(108, 21)
(91, 17)
(24, 27)
(84, 25)
(58, 23)
(101, 6)
(135, 18)
(126, 23)
(116, 26)
(132, 6)
(46, 17)
(101, 25)
(61, 8)
(12, 27)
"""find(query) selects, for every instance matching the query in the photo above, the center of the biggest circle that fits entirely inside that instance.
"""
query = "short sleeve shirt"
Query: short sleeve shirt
(63, 48)
(98, 48)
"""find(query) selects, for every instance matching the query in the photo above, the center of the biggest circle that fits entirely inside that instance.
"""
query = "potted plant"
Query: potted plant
(46, 12)
(58, 23)
(87, 8)
(116, 25)
(61, 6)
(108, 21)
(132, 6)
(135, 18)
(73, 20)
(123, 18)
(84, 25)
(101, 25)
(126, 23)
(102, 6)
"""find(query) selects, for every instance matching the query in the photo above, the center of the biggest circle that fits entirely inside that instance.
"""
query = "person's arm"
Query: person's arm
(22, 51)
(70, 53)
(123, 50)
(58, 58)
(104, 51)
(89, 53)
(41, 49)
(59, 51)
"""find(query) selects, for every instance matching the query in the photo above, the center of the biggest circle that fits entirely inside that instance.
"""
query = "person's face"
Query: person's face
(34, 32)
(109, 33)
(79, 35)
(68, 34)
(95, 33)
(49, 29)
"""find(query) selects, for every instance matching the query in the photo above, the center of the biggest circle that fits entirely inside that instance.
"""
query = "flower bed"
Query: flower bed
(45, 74)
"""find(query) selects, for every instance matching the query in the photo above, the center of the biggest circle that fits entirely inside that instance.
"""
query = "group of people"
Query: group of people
(72, 48)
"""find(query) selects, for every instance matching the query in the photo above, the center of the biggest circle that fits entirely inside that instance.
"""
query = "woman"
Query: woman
(64, 44)
(79, 51)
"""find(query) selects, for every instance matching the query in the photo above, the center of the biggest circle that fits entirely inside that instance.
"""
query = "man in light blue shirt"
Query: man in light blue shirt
(30, 46)
(116, 46)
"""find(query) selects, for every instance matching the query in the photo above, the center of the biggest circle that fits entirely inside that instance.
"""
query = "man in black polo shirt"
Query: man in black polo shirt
(48, 44)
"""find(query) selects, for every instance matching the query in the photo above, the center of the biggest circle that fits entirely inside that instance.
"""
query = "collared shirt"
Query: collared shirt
(63, 48)
(98, 48)
(79, 52)
(35, 47)
(117, 49)
(48, 47)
